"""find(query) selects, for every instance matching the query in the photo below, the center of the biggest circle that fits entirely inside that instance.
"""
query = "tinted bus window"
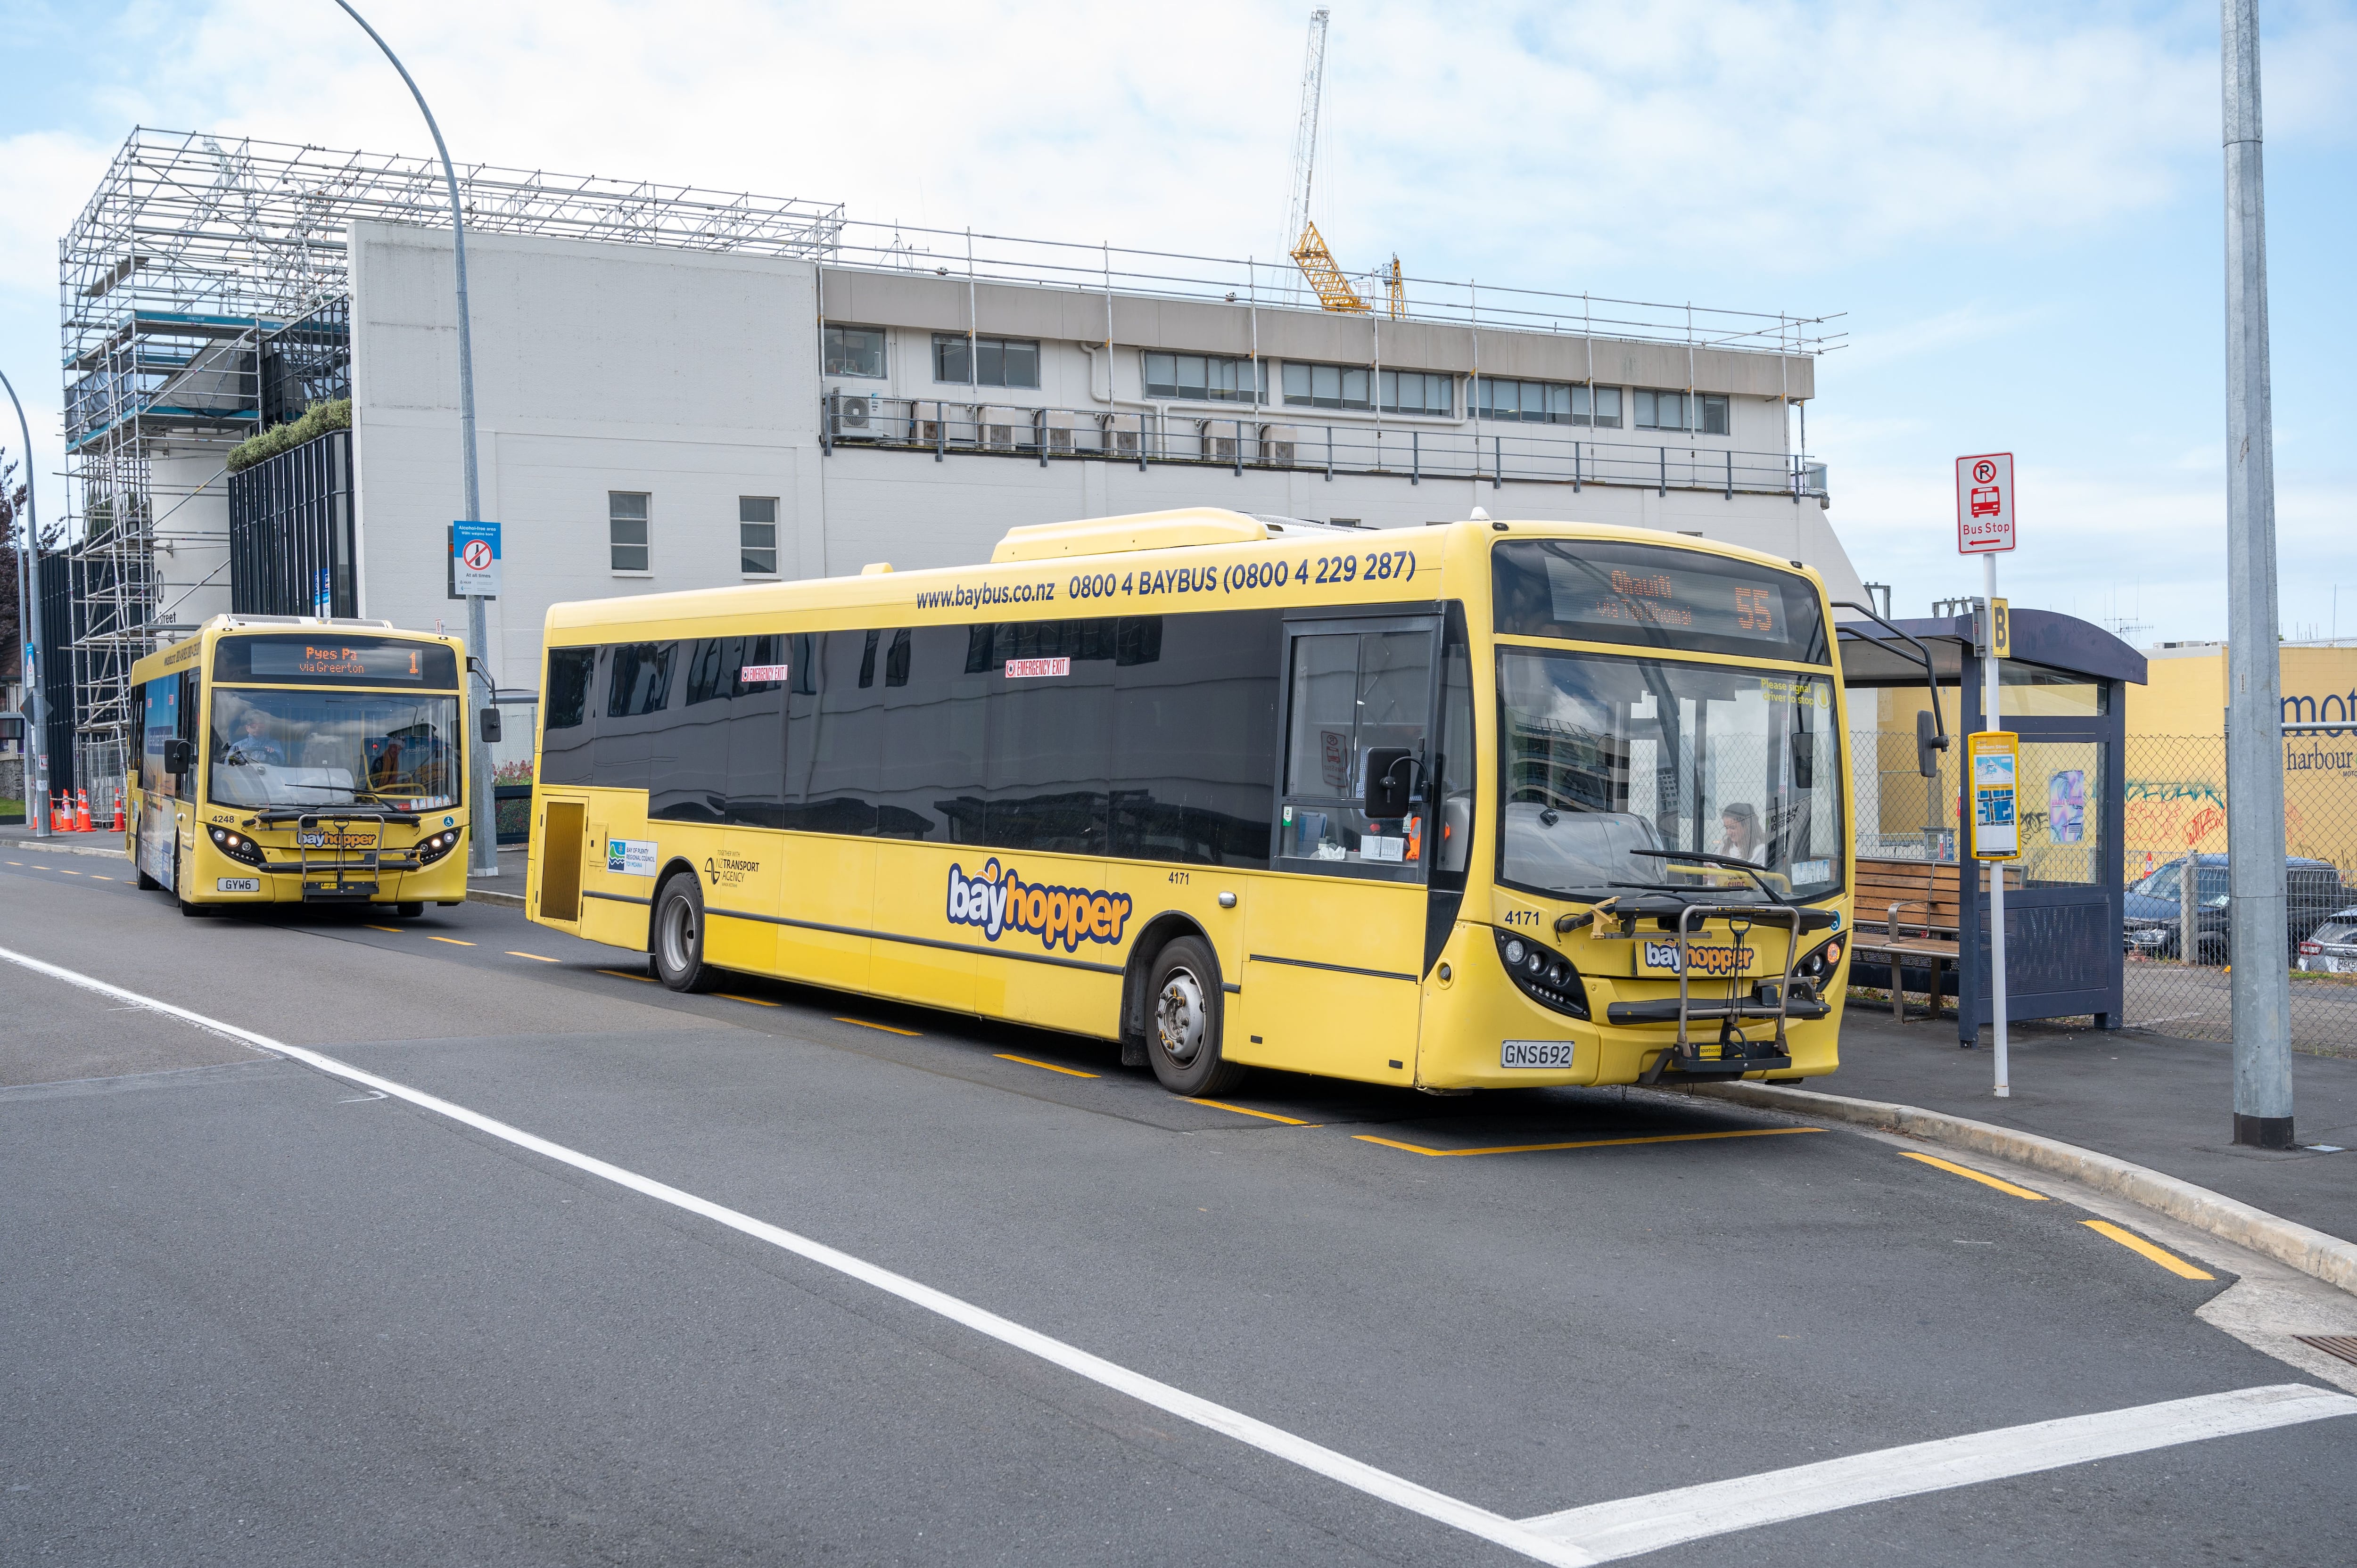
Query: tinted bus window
(566, 734)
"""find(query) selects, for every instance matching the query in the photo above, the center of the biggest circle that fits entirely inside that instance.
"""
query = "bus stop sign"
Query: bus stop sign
(1985, 503)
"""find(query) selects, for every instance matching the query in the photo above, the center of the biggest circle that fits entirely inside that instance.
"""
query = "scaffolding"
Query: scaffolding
(203, 294)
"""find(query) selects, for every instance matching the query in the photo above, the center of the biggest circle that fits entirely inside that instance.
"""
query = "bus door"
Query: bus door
(168, 715)
(1334, 961)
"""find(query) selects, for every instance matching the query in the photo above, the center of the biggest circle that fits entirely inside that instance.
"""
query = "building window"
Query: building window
(854, 351)
(756, 534)
(1673, 410)
(626, 530)
(998, 361)
(1204, 378)
(1418, 391)
(1549, 403)
(1328, 386)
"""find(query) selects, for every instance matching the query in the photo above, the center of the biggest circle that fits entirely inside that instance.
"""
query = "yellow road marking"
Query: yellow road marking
(1589, 1144)
(94, 876)
(1247, 1110)
(1970, 1175)
(534, 956)
(886, 1028)
(625, 974)
(1027, 1061)
(68, 873)
(755, 1001)
(452, 940)
(2136, 1243)
(396, 931)
(16, 863)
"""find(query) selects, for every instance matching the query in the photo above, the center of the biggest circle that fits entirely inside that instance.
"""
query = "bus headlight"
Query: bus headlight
(1819, 966)
(236, 845)
(1548, 979)
(430, 850)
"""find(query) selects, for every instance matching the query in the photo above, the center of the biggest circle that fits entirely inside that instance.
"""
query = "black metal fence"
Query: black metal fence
(290, 532)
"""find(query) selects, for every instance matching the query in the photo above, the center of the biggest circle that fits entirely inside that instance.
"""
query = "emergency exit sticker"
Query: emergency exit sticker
(1031, 669)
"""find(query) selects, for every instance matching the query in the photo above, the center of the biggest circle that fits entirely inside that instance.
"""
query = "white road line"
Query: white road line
(1217, 1418)
(1572, 1539)
(1634, 1525)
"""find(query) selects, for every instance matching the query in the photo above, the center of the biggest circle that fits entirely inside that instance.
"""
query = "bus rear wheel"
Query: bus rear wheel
(678, 936)
(1182, 1029)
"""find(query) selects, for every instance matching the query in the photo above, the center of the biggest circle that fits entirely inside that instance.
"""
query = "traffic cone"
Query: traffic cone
(82, 812)
(57, 813)
(118, 815)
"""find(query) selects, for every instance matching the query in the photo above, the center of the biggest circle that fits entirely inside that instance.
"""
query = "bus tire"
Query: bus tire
(410, 911)
(675, 942)
(148, 883)
(1184, 1008)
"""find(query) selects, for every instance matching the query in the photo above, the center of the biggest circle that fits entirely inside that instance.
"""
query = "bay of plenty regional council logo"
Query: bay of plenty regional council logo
(996, 901)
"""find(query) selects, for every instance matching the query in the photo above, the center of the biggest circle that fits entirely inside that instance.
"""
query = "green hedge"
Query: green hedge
(316, 421)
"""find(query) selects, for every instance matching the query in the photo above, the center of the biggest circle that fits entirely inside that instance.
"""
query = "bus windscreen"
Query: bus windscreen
(306, 660)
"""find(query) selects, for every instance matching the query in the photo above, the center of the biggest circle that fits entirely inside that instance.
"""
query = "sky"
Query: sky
(2016, 209)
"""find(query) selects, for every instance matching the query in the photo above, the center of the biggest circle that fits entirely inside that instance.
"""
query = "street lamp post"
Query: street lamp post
(2256, 926)
(484, 855)
(35, 781)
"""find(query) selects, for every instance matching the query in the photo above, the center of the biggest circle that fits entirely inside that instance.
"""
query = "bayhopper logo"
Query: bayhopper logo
(996, 901)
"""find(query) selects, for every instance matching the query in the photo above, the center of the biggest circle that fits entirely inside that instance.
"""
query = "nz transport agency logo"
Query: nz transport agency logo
(997, 901)
(1717, 962)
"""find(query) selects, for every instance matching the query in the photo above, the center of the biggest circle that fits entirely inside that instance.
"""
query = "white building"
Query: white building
(677, 390)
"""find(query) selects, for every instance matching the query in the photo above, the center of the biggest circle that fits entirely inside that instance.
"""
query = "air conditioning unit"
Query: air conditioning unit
(1120, 433)
(1221, 440)
(1279, 444)
(943, 424)
(1003, 429)
(854, 413)
(1055, 428)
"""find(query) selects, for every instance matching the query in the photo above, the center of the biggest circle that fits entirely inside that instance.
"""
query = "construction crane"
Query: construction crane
(1302, 240)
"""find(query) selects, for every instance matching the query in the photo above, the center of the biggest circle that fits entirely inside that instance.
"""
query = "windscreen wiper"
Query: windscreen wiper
(1731, 861)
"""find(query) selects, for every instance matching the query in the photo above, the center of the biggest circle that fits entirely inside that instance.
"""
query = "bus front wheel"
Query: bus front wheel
(678, 941)
(1182, 1033)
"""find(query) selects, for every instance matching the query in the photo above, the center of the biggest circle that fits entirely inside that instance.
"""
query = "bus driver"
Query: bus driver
(253, 746)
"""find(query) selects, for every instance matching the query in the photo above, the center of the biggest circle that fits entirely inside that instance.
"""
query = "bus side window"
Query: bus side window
(1357, 699)
(1453, 796)
(566, 725)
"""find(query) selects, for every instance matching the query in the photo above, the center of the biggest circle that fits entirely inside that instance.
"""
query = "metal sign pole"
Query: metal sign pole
(34, 781)
(1990, 720)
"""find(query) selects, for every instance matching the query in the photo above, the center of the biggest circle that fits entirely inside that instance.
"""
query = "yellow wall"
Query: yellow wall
(2177, 764)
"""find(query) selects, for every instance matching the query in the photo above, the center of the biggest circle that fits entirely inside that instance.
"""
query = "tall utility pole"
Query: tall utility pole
(36, 783)
(2255, 928)
(483, 837)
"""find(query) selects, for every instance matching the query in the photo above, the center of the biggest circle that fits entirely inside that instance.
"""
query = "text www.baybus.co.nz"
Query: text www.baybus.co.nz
(960, 596)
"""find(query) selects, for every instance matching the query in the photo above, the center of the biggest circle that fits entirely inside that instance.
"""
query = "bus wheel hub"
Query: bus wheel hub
(1180, 1014)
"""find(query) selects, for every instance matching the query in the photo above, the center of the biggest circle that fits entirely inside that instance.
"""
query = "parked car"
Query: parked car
(2150, 917)
(2331, 948)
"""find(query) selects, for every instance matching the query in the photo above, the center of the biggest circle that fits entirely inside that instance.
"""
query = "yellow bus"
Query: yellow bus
(286, 760)
(1473, 805)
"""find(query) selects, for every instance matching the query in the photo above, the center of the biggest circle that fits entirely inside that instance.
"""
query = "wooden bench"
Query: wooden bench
(1907, 908)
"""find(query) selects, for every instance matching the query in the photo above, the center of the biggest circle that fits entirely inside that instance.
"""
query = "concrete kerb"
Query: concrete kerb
(488, 896)
(2312, 1252)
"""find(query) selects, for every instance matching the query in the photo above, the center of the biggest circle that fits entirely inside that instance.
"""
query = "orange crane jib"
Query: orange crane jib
(1317, 264)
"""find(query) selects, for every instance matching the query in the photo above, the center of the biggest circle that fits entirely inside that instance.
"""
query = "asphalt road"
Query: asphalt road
(258, 1312)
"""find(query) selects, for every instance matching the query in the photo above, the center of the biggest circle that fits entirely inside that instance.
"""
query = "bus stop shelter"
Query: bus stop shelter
(2062, 690)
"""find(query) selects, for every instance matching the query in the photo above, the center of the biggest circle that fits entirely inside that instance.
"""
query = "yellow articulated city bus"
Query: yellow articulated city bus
(1473, 805)
(286, 759)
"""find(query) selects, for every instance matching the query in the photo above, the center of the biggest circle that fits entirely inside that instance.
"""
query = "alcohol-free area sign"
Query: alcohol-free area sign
(1985, 503)
(475, 560)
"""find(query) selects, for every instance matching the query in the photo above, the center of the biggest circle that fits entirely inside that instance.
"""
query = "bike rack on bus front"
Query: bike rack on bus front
(331, 856)
(1739, 918)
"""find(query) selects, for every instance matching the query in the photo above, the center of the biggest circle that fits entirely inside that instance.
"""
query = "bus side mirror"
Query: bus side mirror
(1386, 781)
(179, 756)
(492, 725)
(1929, 743)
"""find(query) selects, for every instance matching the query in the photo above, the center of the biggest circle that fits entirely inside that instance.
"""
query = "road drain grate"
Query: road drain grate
(2341, 1344)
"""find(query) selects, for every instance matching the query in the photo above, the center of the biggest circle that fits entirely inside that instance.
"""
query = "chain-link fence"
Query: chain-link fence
(2175, 920)
(2174, 926)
